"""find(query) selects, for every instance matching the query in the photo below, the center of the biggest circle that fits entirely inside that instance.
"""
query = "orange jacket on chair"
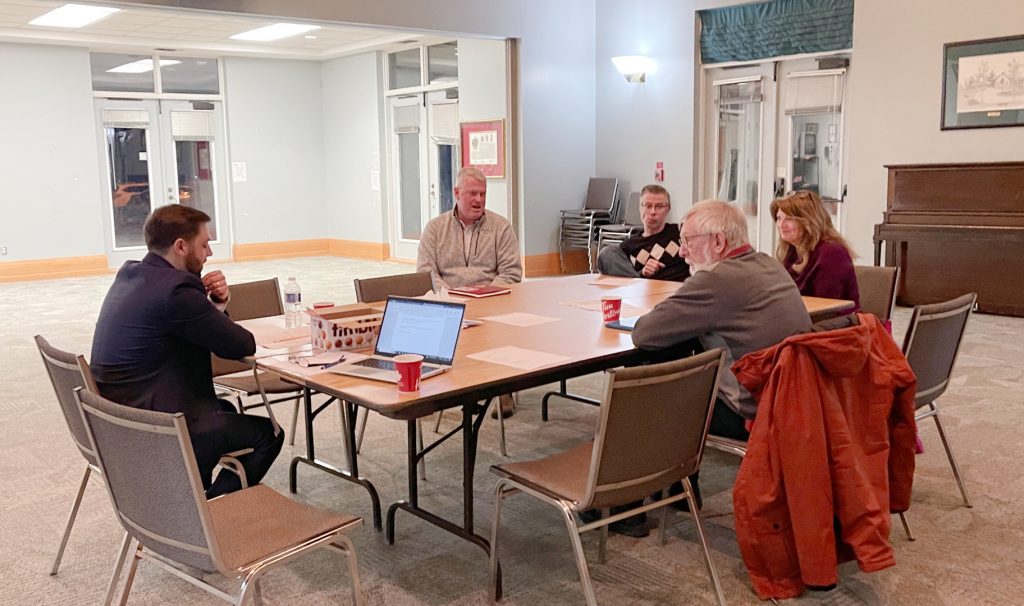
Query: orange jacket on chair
(830, 456)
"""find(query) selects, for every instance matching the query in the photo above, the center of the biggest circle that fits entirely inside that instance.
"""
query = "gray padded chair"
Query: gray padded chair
(67, 373)
(931, 346)
(877, 288)
(251, 300)
(632, 224)
(403, 285)
(154, 485)
(651, 431)
(578, 228)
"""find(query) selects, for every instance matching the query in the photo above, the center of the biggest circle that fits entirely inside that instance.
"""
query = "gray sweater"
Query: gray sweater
(491, 257)
(743, 304)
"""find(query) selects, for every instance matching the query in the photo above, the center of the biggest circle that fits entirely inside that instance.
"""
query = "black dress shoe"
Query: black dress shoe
(684, 505)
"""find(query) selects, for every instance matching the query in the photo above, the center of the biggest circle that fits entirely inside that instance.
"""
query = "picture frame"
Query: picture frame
(483, 147)
(983, 83)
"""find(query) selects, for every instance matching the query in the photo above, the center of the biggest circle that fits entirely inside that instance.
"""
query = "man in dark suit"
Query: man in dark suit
(156, 329)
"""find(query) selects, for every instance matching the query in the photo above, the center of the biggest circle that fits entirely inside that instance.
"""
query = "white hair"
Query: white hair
(470, 172)
(718, 217)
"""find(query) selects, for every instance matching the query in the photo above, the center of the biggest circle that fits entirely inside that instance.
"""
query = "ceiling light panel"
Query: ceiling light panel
(276, 31)
(74, 15)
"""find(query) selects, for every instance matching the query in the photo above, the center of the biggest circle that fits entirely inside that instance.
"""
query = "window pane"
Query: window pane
(409, 185)
(195, 178)
(132, 77)
(129, 183)
(739, 148)
(189, 76)
(404, 69)
(443, 62)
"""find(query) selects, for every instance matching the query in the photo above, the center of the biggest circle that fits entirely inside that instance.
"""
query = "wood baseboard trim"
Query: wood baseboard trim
(280, 250)
(357, 249)
(547, 264)
(47, 269)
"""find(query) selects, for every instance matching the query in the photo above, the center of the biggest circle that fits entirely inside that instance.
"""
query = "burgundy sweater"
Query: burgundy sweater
(828, 273)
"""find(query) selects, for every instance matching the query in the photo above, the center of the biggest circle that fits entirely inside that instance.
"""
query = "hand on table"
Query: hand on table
(652, 267)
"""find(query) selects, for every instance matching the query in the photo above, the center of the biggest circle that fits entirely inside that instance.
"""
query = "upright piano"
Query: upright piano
(956, 228)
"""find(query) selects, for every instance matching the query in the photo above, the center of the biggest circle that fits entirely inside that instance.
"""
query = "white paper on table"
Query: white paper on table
(613, 281)
(627, 308)
(518, 357)
(271, 336)
(520, 319)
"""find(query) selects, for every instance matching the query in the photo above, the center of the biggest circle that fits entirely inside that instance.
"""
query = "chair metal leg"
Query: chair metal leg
(419, 438)
(250, 586)
(501, 429)
(951, 457)
(257, 593)
(437, 422)
(499, 500)
(602, 544)
(295, 422)
(349, 551)
(663, 531)
(71, 519)
(118, 567)
(136, 556)
(703, 540)
(581, 560)
(343, 417)
(906, 527)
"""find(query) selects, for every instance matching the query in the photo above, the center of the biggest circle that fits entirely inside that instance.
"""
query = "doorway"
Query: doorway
(158, 152)
(425, 156)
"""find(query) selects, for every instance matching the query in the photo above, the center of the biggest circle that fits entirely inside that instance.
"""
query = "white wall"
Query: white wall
(896, 97)
(641, 124)
(482, 96)
(275, 126)
(352, 147)
(48, 154)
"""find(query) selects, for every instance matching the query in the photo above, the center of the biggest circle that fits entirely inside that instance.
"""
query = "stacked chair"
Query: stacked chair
(632, 224)
(578, 228)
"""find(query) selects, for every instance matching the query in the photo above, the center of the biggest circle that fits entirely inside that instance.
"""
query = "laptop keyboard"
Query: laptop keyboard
(375, 363)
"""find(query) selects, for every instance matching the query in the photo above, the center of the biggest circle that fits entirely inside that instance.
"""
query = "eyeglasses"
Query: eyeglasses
(687, 239)
(657, 206)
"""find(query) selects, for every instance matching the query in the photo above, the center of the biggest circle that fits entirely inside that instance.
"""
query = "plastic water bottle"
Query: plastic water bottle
(292, 304)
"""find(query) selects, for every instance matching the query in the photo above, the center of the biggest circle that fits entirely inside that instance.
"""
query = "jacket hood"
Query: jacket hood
(841, 353)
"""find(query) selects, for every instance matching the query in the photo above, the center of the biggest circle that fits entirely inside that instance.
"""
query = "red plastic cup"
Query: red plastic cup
(611, 308)
(409, 367)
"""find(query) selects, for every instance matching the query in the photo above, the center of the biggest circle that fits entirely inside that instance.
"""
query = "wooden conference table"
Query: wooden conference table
(577, 334)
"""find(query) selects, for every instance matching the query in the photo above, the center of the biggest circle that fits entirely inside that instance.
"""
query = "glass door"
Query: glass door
(738, 126)
(156, 153)
(444, 156)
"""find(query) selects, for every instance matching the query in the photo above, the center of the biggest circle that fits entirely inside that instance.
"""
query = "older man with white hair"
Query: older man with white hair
(736, 298)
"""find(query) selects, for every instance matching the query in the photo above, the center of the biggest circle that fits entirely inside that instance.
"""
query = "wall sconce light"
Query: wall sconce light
(634, 67)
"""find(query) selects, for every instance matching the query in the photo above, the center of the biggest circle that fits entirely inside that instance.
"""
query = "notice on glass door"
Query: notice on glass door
(239, 172)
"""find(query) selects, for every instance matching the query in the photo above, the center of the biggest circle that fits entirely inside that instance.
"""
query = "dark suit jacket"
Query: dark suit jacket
(154, 336)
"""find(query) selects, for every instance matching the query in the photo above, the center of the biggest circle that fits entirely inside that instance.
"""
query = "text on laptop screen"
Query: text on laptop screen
(428, 328)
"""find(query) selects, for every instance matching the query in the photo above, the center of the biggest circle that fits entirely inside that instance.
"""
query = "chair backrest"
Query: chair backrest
(877, 288)
(402, 285)
(259, 299)
(152, 478)
(654, 420)
(601, 193)
(933, 342)
(632, 216)
(68, 372)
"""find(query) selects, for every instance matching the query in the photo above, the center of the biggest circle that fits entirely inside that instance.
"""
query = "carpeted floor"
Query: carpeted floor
(962, 556)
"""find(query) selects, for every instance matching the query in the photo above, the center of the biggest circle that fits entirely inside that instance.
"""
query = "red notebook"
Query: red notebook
(478, 292)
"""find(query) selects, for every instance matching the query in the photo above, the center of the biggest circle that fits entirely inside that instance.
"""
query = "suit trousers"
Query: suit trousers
(224, 431)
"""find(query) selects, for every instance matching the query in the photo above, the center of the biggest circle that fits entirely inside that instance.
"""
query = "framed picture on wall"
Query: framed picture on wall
(983, 83)
(483, 147)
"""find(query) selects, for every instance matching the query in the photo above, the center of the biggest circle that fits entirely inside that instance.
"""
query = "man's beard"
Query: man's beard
(193, 264)
(698, 267)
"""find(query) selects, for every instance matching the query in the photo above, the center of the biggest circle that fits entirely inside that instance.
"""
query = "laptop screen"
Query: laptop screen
(428, 328)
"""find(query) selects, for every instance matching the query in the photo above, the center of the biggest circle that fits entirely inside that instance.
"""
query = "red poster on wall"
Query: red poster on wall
(483, 147)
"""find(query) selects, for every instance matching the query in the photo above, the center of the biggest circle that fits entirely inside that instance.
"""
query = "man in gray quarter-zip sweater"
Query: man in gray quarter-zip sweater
(470, 246)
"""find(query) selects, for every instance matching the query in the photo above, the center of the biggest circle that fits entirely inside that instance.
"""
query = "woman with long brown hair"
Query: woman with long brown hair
(815, 255)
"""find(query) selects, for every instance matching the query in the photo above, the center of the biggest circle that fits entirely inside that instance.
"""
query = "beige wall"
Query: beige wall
(896, 96)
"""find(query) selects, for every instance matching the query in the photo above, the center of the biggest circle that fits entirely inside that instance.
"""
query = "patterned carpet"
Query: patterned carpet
(962, 556)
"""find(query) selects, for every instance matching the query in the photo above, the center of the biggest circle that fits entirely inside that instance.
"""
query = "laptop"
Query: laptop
(411, 326)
